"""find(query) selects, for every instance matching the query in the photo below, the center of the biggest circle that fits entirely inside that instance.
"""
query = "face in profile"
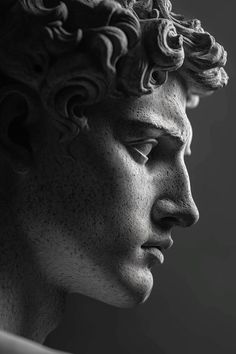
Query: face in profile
(99, 213)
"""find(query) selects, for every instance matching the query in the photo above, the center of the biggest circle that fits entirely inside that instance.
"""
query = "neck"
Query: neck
(29, 306)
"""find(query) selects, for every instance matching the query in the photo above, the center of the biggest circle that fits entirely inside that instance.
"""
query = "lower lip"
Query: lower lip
(154, 251)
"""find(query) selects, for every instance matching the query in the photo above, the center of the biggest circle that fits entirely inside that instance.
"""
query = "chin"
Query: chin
(134, 289)
(125, 287)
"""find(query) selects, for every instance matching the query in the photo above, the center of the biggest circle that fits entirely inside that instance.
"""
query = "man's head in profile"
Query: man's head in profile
(93, 136)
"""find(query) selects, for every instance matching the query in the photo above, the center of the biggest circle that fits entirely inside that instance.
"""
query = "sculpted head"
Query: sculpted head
(94, 132)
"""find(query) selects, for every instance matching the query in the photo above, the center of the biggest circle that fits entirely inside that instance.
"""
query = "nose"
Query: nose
(174, 205)
(169, 213)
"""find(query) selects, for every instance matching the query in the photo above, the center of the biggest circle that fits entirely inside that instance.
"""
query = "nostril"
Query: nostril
(168, 213)
(180, 219)
(168, 222)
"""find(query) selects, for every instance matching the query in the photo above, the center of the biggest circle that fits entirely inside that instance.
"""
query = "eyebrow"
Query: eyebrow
(136, 125)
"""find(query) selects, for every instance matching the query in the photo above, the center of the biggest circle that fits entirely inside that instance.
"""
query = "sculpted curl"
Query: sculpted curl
(75, 53)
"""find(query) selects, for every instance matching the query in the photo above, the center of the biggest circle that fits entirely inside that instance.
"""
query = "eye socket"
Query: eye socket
(142, 148)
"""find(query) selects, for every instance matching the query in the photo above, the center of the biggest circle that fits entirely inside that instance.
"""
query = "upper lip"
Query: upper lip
(162, 244)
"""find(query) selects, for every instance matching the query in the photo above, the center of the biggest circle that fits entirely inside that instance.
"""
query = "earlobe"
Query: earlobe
(15, 143)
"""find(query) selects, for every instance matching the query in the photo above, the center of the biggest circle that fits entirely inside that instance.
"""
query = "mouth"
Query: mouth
(155, 248)
(155, 252)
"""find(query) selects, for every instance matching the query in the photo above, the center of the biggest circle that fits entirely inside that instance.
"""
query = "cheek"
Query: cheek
(112, 178)
(103, 198)
(116, 197)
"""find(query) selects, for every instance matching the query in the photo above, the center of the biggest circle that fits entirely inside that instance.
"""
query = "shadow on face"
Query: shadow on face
(98, 211)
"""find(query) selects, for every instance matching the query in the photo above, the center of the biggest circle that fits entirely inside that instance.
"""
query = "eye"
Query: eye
(142, 148)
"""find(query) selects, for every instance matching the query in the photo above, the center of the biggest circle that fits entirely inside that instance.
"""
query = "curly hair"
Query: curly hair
(74, 53)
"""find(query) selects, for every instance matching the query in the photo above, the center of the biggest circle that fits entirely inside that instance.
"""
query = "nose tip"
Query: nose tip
(182, 213)
(189, 215)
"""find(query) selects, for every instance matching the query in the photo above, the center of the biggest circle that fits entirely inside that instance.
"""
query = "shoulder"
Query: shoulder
(12, 344)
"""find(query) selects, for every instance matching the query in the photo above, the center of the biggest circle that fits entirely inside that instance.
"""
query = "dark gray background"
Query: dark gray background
(192, 308)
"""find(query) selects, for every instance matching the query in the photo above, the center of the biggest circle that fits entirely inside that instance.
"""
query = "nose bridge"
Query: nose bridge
(176, 202)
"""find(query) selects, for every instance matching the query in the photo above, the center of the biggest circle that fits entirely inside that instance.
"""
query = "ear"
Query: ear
(15, 140)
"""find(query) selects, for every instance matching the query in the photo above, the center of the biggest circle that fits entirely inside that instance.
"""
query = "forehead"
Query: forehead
(165, 108)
